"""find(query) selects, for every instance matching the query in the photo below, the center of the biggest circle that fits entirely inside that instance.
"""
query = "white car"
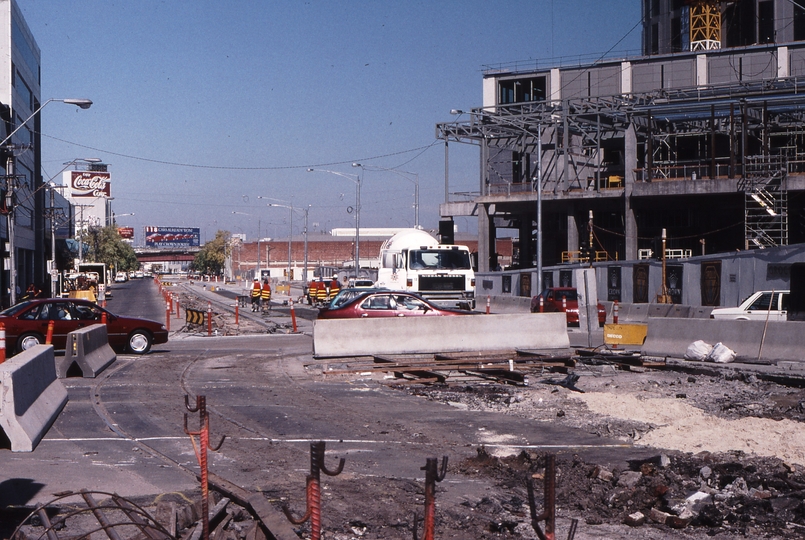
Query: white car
(121, 277)
(759, 306)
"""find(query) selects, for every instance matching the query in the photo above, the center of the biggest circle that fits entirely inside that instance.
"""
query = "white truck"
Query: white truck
(413, 260)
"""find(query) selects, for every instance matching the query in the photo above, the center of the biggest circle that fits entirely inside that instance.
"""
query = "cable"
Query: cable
(699, 235)
(420, 149)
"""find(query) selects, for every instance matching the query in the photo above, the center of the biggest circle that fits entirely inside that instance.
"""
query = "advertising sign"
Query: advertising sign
(172, 237)
(90, 184)
(127, 233)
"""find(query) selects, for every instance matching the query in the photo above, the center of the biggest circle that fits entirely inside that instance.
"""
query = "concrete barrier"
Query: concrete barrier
(415, 335)
(781, 341)
(89, 348)
(31, 397)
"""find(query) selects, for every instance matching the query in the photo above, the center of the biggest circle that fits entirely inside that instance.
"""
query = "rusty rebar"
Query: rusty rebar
(433, 474)
(548, 514)
(313, 491)
(201, 454)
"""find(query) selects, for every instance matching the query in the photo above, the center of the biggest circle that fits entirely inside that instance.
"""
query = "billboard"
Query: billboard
(172, 237)
(126, 233)
(90, 184)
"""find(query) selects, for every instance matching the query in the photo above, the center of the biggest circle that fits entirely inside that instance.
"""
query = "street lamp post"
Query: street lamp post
(257, 268)
(402, 175)
(357, 179)
(11, 185)
(291, 209)
(538, 137)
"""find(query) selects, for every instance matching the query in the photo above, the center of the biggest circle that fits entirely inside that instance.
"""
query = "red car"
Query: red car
(386, 304)
(26, 325)
(552, 303)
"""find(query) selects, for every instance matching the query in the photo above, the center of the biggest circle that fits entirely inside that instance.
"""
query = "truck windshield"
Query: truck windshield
(439, 259)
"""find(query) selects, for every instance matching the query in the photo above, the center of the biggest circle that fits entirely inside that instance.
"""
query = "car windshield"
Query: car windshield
(569, 294)
(439, 259)
(17, 308)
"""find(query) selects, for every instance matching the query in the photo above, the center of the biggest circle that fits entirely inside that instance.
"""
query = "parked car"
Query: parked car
(386, 303)
(26, 325)
(347, 295)
(121, 277)
(759, 306)
(552, 303)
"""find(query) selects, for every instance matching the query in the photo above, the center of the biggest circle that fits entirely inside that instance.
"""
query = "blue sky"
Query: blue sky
(202, 106)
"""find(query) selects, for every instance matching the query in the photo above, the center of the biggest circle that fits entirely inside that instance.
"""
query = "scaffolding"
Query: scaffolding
(705, 25)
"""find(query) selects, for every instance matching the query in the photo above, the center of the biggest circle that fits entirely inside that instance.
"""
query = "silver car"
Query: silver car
(758, 307)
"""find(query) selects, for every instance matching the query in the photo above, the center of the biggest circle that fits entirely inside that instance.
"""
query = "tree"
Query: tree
(211, 258)
(106, 246)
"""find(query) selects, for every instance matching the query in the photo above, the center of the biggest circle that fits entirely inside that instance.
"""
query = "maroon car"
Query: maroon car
(385, 303)
(552, 303)
(26, 325)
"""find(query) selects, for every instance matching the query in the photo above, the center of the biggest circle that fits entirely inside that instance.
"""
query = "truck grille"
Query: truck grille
(441, 283)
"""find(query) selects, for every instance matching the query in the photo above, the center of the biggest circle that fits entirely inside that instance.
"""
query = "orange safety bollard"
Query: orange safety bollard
(237, 313)
(49, 335)
(564, 304)
(488, 303)
(615, 313)
(541, 304)
(209, 318)
(167, 316)
(178, 316)
(2, 343)
(104, 319)
(293, 316)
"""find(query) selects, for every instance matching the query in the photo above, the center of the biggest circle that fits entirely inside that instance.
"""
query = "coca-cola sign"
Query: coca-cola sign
(90, 184)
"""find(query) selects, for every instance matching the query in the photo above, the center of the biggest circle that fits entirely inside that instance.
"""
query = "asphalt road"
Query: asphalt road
(124, 431)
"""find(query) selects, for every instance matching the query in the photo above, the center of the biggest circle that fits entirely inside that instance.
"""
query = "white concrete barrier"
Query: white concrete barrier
(423, 335)
(31, 397)
(782, 341)
(89, 348)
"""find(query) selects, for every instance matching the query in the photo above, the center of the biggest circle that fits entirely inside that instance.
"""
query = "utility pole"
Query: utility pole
(11, 186)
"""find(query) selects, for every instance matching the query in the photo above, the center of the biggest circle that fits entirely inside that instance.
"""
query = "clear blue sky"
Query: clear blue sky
(200, 106)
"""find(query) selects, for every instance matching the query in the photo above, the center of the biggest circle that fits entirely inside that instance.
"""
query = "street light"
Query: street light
(257, 270)
(401, 174)
(80, 103)
(291, 209)
(357, 179)
(538, 178)
(11, 186)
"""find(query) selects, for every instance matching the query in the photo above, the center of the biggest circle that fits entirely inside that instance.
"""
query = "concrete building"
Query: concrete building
(23, 202)
(706, 144)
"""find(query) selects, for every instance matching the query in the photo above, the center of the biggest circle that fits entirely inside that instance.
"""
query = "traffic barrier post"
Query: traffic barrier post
(237, 314)
(293, 316)
(209, 318)
(615, 313)
(49, 335)
(167, 316)
(488, 304)
(2, 343)
(541, 304)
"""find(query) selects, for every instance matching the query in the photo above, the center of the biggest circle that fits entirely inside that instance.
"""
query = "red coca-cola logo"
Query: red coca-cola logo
(90, 185)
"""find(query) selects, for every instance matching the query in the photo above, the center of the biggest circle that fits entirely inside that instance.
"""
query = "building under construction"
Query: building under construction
(702, 136)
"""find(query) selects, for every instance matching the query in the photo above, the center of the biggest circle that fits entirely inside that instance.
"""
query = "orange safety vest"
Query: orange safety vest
(334, 289)
(321, 291)
(256, 290)
(266, 291)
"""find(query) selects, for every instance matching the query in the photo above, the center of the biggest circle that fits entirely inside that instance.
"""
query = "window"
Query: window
(522, 90)
(766, 22)
(763, 302)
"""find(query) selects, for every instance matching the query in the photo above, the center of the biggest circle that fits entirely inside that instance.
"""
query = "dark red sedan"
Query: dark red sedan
(386, 304)
(552, 303)
(26, 325)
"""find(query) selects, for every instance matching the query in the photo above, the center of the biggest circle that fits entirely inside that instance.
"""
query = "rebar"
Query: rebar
(433, 474)
(201, 454)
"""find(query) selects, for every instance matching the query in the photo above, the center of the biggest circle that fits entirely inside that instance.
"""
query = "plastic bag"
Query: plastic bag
(698, 351)
(721, 354)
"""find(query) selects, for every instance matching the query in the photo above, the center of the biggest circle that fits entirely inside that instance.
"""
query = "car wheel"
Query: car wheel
(26, 341)
(140, 342)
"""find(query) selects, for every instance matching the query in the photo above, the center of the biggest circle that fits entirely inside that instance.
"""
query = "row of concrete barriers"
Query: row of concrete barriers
(31, 394)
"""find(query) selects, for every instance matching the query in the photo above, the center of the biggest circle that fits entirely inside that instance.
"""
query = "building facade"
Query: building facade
(23, 229)
(707, 145)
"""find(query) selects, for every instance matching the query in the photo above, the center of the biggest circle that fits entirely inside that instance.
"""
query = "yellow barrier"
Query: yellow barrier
(625, 334)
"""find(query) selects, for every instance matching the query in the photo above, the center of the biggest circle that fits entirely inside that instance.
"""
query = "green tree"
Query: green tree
(211, 258)
(106, 246)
